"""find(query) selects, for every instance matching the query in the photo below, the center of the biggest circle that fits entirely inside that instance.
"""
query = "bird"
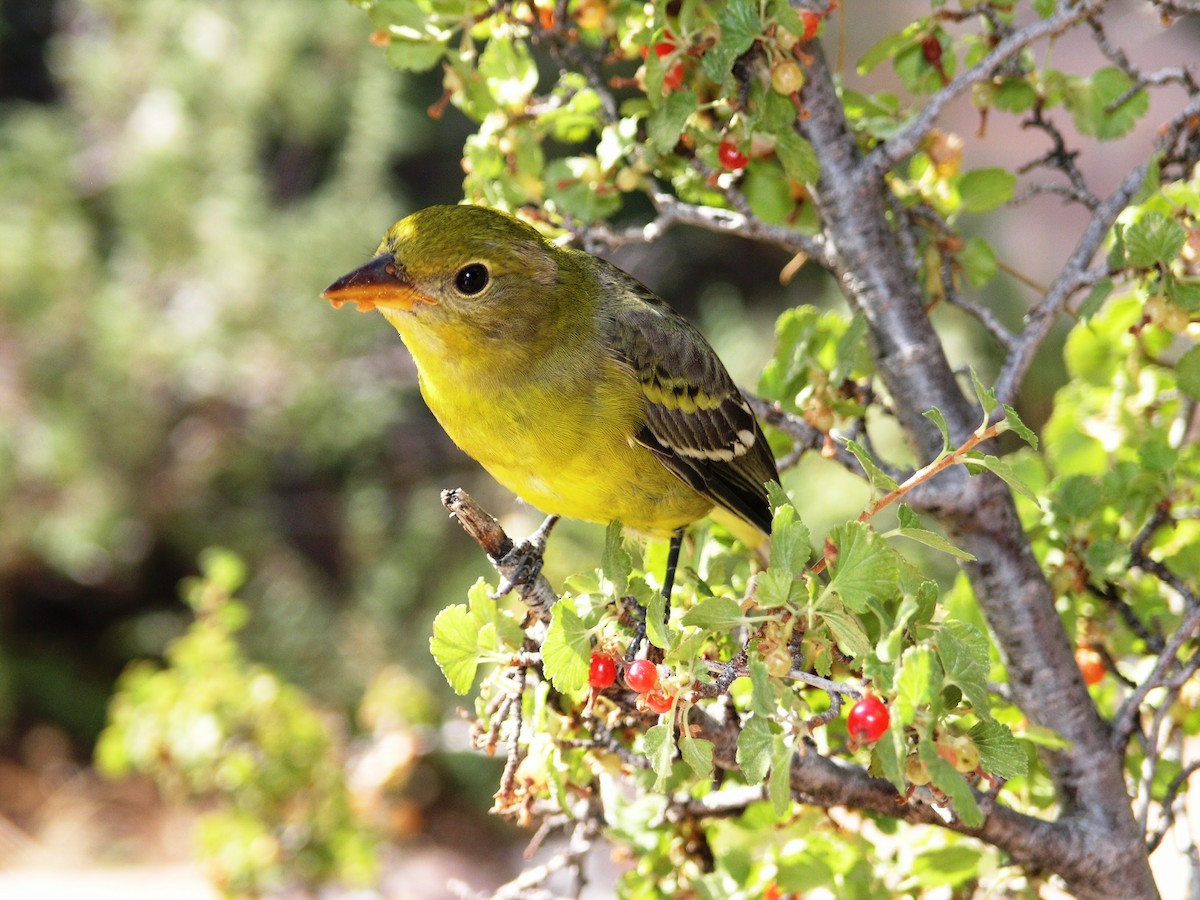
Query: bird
(573, 384)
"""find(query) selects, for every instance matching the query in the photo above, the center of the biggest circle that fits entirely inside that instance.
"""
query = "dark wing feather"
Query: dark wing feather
(697, 421)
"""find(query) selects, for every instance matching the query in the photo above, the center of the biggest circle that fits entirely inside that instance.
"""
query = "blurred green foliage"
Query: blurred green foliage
(169, 377)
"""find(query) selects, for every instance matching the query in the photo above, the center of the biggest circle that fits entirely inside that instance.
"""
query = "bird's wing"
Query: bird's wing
(697, 421)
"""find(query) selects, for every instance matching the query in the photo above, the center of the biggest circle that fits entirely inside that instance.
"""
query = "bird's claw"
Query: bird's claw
(523, 563)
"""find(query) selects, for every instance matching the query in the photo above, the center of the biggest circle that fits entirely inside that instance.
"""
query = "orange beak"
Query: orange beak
(381, 282)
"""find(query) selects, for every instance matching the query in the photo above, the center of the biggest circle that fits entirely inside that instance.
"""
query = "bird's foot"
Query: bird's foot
(523, 563)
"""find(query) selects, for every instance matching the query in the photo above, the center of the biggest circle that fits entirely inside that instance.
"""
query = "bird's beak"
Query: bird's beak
(381, 282)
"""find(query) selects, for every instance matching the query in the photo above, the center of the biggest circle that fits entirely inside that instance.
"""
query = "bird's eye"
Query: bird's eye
(471, 279)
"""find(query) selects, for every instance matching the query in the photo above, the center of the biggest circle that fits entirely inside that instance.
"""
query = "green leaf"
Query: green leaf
(1005, 472)
(408, 55)
(740, 25)
(1187, 373)
(985, 395)
(1088, 101)
(910, 527)
(864, 567)
(946, 866)
(919, 680)
(567, 649)
(659, 744)
(1152, 240)
(890, 751)
(935, 416)
(1044, 736)
(889, 47)
(767, 193)
(978, 261)
(754, 749)
(665, 125)
(847, 631)
(985, 189)
(698, 753)
(574, 187)
(1095, 299)
(779, 785)
(509, 72)
(880, 480)
(963, 652)
(774, 588)
(763, 700)
(454, 646)
(952, 784)
(790, 547)
(487, 613)
(615, 561)
(714, 614)
(1000, 754)
(656, 627)
(798, 158)
(1020, 428)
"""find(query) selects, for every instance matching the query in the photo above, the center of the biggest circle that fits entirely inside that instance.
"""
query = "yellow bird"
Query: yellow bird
(569, 381)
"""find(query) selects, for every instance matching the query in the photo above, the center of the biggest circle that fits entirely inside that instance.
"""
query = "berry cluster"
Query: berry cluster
(641, 677)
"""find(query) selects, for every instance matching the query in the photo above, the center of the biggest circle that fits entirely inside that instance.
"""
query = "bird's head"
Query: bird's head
(463, 271)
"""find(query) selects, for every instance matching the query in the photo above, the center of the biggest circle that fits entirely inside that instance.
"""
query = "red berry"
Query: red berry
(868, 720)
(662, 48)
(602, 672)
(1091, 665)
(659, 701)
(641, 676)
(731, 157)
(811, 23)
(673, 79)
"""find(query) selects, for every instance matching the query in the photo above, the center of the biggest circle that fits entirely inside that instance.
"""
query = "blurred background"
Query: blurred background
(179, 180)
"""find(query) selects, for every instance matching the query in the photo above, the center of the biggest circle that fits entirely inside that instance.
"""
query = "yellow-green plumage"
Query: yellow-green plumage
(571, 383)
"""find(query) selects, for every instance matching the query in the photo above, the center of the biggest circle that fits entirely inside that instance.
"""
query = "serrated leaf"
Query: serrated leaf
(1000, 754)
(879, 479)
(714, 614)
(919, 680)
(863, 567)
(935, 416)
(762, 689)
(1018, 427)
(963, 652)
(779, 784)
(985, 189)
(656, 626)
(1152, 240)
(698, 753)
(754, 749)
(454, 646)
(659, 745)
(946, 779)
(566, 651)
(615, 561)
(774, 588)
(798, 158)
(790, 547)
(485, 612)
(740, 25)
